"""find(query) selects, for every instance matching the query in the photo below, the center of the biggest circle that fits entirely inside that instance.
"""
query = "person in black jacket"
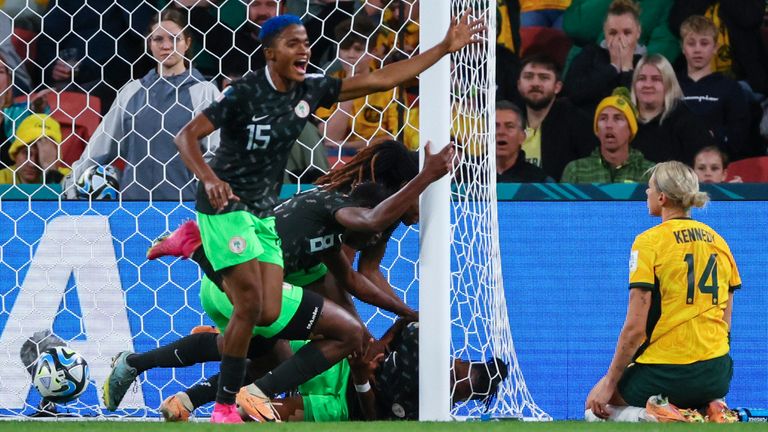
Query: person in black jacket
(557, 131)
(743, 55)
(668, 129)
(598, 69)
(714, 97)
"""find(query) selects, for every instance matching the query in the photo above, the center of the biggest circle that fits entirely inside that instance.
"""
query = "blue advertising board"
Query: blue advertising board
(80, 269)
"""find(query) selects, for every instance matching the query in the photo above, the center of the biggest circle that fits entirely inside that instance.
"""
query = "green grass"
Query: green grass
(506, 426)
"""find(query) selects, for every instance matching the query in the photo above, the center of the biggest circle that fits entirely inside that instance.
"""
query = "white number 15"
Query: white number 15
(258, 137)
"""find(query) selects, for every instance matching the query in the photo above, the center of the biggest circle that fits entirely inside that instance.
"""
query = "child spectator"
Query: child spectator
(710, 165)
(667, 129)
(740, 50)
(718, 100)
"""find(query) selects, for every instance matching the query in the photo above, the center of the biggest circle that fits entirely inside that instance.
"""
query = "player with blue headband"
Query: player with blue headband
(259, 117)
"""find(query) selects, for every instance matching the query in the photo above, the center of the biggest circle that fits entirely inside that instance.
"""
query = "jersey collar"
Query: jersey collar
(269, 78)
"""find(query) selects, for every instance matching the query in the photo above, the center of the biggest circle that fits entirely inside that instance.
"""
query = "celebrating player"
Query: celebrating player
(313, 224)
(260, 116)
(673, 350)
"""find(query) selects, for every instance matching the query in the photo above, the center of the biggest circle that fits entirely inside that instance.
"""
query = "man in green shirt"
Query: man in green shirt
(614, 161)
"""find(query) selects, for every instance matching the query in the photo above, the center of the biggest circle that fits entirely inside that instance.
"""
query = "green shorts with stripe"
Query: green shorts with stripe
(325, 396)
(687, 386)
(237, 237)
(298, 312)
(303, 278)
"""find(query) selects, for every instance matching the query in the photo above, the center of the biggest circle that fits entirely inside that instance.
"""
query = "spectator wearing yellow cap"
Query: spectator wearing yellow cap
(35, 152)
(614, 161)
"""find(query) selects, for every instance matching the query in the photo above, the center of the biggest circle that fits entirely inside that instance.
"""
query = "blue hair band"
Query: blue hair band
(275, 25)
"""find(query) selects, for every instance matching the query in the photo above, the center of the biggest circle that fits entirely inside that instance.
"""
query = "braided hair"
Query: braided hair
(388, 163)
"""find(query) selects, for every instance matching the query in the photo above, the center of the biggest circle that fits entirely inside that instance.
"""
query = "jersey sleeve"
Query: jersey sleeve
(226, 106)
(642, 260)
(735, 281)
(331, 87)
(337, 201)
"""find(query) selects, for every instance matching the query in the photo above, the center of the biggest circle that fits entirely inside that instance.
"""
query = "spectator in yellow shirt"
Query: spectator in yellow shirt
(355, 124)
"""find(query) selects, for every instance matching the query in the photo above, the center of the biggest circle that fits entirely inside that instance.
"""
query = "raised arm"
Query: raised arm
(461, 33)
(392, 209)
(188, 143)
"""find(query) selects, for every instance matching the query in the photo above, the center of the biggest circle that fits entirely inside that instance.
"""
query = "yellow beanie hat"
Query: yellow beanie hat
(621, 101)
(33, 128)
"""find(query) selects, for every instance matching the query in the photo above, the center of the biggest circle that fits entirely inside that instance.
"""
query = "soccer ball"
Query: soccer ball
(98, 182)
(61, 374)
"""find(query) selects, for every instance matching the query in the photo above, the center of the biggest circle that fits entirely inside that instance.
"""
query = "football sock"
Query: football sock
(231, 375)
(307, 363)
(189, 350)
(205, 392)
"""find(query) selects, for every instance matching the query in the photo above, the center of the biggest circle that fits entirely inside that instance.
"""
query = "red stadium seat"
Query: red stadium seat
(22, 40)
(752, 170)
(544, 40)
(79, 116)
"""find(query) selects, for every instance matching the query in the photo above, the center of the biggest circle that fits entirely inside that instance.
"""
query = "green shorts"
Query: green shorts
(687, 386)
(325, 396)
(217, 306)
(303, 278)
(237, 237)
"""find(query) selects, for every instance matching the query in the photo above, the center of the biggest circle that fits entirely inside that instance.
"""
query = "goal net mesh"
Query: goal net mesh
(77, 267)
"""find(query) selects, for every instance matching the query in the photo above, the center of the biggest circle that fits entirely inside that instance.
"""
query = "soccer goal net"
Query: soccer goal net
(81, 81)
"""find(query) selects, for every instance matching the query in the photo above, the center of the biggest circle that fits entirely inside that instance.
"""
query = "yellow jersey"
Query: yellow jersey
(691, 273)
(535, 5)
(373, 116)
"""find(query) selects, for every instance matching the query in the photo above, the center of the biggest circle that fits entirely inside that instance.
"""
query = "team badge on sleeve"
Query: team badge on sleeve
(633, 261)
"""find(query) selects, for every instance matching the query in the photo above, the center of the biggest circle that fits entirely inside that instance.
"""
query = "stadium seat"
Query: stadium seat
(544, 40)
(23, 39)
(79, 116)
(752, 170)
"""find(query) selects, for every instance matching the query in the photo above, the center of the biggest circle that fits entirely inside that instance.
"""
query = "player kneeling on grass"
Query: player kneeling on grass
(381, 383)
(672, 356)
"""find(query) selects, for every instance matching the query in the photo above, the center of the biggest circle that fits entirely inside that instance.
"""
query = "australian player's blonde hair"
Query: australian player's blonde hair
(679, 183)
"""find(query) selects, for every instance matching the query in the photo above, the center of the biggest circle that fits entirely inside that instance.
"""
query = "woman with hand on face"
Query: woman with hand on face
(599, 69)
(35, 153)
(667, 129)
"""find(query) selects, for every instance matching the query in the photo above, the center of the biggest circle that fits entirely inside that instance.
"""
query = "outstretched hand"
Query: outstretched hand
(438, 164)
(463, 32)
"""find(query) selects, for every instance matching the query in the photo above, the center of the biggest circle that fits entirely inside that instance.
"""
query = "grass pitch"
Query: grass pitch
(493, 426)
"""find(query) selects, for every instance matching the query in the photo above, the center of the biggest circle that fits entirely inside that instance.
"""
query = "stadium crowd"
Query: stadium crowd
(695, 74)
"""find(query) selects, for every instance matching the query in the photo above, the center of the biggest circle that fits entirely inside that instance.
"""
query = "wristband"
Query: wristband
(363, 388)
